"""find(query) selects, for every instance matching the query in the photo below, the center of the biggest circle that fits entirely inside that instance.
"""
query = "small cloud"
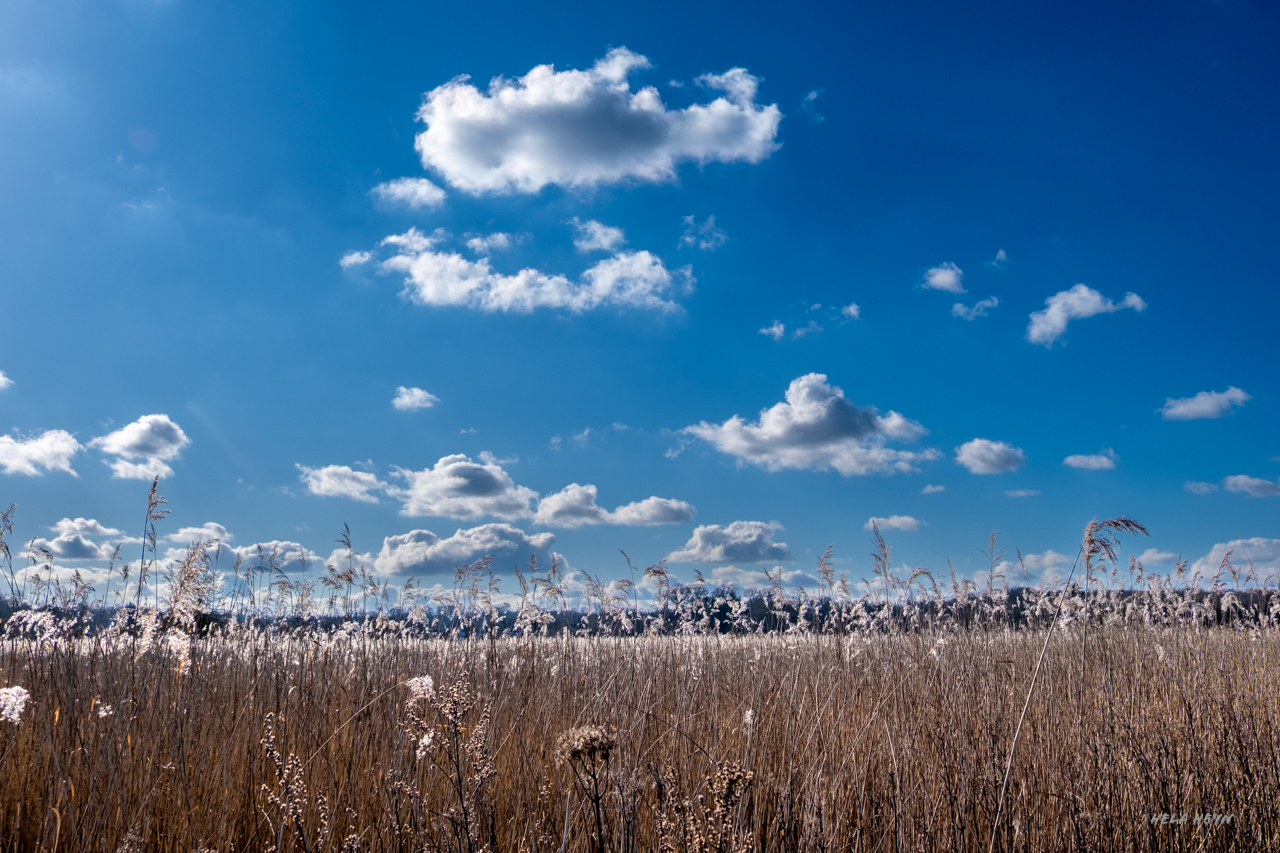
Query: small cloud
(457, 487)
(581, 438)
(739, 542)
(205, 532)
(1206, 404)
(776, 331)
(945, 276)
(814, 328)
(932, 489)
(1104, 461)
(1154, 557)
(1196, 487)
(983, 456)
(413, 193)
(1000, 258)
(1022, 493)
(1050, 559)
(468, 431)
(5, 381)
(154, 439)
(851, 311)
(484, 244)
(52, 450)
(706, 236)
(341, 481)
(354, 259)
(979, 309)
(1254, 487)
(1078, 303)
(595, 236)
(893, 522)
(83, 527)
(408, 399)
(809, 102)
(575, 506)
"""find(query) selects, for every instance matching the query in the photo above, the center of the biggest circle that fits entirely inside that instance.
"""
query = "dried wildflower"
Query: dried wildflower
(424, 745)
(106, 711)
(749, 719)
(12, 702)
(590, 742)
(421, 687)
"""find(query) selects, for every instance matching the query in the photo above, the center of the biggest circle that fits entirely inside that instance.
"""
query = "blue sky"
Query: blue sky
(759, 276)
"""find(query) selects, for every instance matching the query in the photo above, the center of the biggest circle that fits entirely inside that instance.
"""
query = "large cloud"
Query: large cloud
(1078, 303)
(586, 128)
(341, 481)
(51, 450)
(575, 506)
(1206, 404)
(817, 427)
(154, 440)
(623, 280)
(984, 456)
(421, 552)
(1265, 554)
(739, 542)
(457, 487)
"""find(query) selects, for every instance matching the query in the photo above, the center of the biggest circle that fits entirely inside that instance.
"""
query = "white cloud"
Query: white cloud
(73, 546)
(5, 381)
(1104, 461)
(748, 579)
(595, 236)
(625, 280)
(1050, 559)
(1022, 493)
(1197, 487)
(341, 481)
(1078, 303)
(287, 556)
(1254, 487)
(814, 328)
(354, 259)
(1000, 257)
(414, 193)
(408, 399)
(979, 309)
(586, 128)
(1155, 557)
(931, 489)
(154, 439)
(208, 530)
(983, 456)
(1206, 404)
(706, 236)
(893, 522)
(421, 552)
(851, 311)
(83, 527)
(457, 487)
(739, 542)
(1265, 554)
(575, 506)
(52, 450)
(776, 331)
(945, 276)
(484, 244)
(817, 427)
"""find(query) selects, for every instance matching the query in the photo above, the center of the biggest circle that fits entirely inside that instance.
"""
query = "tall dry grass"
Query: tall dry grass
(248, 740)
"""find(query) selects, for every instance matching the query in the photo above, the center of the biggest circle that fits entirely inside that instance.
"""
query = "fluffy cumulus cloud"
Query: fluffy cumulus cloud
(984, 456)
(284, 555)
(623, 280)
(979, 309)
(893, 522)
(51, 450)
(580, 128)
(341, 481)
(143, 448)
(851, 311)
(72, 546)
(1104, 461)
(458, 487)
(354, 259)
(1206, 404)
(205, 532)
(946, 276)
(593, 236)
(408, 399)
(1078, 303)
(421, 552)
(1156, 557)
(1264, 553)
(817, 427)
(575, 506)
(1254, 487)
(414, 193)
(775, 331)
(739, 542)
(83, 527)
(485, 244)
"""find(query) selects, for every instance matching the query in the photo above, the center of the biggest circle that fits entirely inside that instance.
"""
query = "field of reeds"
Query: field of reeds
(1105, 713)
